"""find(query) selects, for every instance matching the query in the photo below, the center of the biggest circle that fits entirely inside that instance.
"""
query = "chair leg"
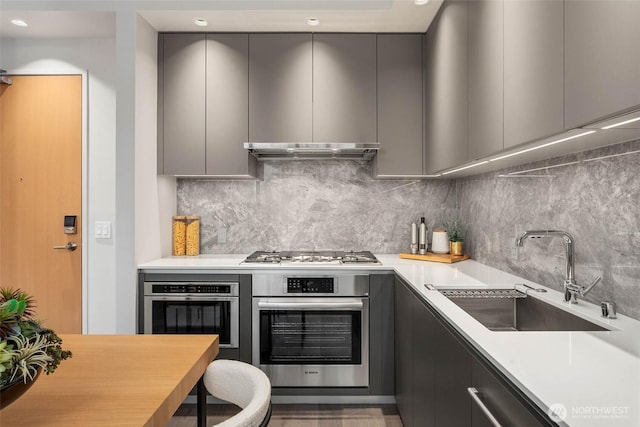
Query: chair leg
(201, 408)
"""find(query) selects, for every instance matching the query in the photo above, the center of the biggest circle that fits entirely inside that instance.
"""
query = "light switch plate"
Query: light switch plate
(103, 230)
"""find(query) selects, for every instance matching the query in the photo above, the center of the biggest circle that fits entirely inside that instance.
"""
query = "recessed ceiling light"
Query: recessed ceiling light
(313, 22)
(19, 22)
(420, 2)
(200, 22)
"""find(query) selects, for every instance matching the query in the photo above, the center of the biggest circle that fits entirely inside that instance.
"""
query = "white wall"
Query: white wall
(96, 57)
(155, 195)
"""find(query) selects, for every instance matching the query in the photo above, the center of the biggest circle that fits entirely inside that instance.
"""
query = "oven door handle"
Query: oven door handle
(353, 305)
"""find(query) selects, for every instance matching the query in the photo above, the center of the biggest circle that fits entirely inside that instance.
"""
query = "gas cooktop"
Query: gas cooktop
(312, 257)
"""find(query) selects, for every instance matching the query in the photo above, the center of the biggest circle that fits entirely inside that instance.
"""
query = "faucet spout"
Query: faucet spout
(571, 288)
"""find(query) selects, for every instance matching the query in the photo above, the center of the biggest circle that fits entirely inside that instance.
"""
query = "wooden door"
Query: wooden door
(41, 176)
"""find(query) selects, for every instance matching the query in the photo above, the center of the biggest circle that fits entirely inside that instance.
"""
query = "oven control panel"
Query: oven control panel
(310, 285)
(191, 288)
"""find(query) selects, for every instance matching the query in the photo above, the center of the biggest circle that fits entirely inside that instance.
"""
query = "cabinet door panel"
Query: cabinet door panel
(602, 65)
(445, 88)
(403, 352)
(424, 366)
(533, 70)
(502, 404)
(227, 99)
(280, 87)
(399, 104)
(184, 103)
(452, 377)
(486, 33)
(344, 88)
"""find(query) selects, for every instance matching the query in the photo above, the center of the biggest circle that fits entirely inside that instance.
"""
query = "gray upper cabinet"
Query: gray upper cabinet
(533, 70)
(280, 87)
(203, 99)
(399, 105)
(344, 88)
(182, 95)
(227, 98)
(602, 64)
(486, 35)
(445, 88)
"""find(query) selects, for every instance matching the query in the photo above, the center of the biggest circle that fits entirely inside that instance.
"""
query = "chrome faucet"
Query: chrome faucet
(571, 289)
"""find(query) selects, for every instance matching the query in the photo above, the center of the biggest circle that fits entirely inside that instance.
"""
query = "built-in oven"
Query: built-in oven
(202, 307)
(312, 330)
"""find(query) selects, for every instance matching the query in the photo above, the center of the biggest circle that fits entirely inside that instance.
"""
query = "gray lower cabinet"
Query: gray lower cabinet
(436, 367)
(280, 87)
(602, 65)
(182, 103)
(498, 401)
(445, 88)
(486, 75)
(533, 70)
(399, 69)
(344, 88)
(414, 359)
(203, 97)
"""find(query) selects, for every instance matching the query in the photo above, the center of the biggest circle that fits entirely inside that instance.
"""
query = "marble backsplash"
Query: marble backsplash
(304, 205)
(594, 196)
(335, 204)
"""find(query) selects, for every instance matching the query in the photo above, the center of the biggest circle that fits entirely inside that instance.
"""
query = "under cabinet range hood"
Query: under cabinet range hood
(313, 150)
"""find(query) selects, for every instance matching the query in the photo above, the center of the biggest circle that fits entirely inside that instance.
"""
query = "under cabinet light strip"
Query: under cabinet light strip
(542, 146)
(621, 123)
(544, 168)
(465, 167)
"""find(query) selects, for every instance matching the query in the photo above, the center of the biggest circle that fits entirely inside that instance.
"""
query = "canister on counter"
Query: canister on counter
(193, 235)
(179, 235)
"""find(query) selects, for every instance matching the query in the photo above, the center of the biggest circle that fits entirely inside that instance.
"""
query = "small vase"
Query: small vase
(456, 249)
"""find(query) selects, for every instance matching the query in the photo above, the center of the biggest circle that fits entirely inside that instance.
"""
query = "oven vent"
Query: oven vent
(312, 150)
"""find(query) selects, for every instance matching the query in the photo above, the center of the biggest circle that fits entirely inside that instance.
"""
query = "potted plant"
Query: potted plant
(26, 347)
(455, 231)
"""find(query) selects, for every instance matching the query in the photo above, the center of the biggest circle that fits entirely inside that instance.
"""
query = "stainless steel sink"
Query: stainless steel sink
(512, 310)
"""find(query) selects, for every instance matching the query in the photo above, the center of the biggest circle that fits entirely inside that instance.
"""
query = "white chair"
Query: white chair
(243, 385)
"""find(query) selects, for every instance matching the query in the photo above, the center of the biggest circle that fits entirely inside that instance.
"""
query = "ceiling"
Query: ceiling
(66, 20)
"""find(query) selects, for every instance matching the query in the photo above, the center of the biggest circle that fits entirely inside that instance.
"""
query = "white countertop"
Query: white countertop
(595, 376)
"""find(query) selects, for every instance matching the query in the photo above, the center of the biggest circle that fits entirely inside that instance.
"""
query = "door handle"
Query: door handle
(70, 246)
(354, 305)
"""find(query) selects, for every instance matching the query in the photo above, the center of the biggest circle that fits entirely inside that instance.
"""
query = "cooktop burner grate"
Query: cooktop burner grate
(334, 257)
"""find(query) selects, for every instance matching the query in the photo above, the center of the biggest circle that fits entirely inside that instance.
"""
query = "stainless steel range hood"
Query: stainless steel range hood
(312, 150)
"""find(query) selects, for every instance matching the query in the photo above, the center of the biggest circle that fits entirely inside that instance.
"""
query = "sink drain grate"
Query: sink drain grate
(482, 293)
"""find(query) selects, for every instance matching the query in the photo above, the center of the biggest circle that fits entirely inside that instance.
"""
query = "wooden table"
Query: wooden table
(117, 380)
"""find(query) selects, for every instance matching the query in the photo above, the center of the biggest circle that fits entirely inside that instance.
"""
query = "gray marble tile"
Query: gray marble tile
(596, 201)
(328, 204)
(337, 205)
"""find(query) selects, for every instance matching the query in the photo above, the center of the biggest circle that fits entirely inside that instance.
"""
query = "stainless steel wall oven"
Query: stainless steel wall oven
(312, 330)
(195, 307)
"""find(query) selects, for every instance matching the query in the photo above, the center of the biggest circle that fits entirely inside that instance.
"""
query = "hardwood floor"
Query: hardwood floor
(301, 415)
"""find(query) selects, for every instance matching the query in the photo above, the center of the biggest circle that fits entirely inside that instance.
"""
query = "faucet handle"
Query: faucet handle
(588, 288)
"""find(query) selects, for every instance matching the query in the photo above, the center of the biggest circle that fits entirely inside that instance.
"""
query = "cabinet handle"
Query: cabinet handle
(475, 395)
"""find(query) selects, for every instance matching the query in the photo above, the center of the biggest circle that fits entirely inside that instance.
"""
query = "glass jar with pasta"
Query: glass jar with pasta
(179, 235)
(193, 235)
